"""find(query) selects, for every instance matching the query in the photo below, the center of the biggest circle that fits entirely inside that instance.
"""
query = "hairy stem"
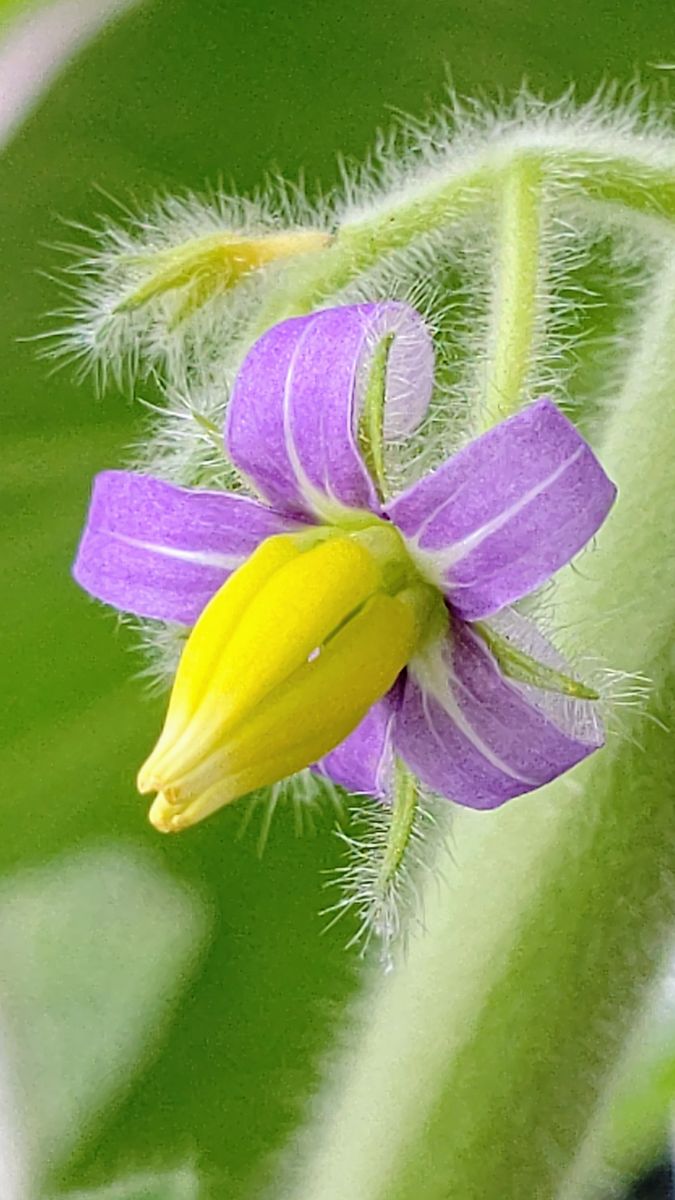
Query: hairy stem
(360, 245)
(477, 1067)
(514, 316)
(628, 182)
(624, 177)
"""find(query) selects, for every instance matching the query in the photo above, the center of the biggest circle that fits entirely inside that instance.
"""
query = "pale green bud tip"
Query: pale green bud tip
(204, 266)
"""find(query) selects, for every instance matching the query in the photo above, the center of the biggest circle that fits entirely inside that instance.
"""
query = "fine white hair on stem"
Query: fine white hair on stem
(386, 904)
(161, 644)
(621, 694)
(618, 120)
(184, 440)
(446, 280)
(111, 260)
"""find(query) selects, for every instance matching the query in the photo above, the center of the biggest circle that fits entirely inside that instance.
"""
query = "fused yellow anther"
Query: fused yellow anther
(282, 665)
(205, 645)
(203, 266)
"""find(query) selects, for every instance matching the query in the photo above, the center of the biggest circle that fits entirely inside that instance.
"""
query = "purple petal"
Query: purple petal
(480, 739)
(157, 550)
(293, 418)
(364, 762)
(499, 518)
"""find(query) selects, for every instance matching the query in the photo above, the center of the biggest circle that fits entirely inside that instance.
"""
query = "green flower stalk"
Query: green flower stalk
(480, 1065)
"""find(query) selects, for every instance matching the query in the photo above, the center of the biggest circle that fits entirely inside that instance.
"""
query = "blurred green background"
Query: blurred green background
(180, 93)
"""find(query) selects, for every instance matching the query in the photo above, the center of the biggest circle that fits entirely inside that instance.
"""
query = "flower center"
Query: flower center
(284, 663)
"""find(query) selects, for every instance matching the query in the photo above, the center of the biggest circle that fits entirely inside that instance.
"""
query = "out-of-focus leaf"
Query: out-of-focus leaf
(643, 1115)
(174, 1185)
(14, 1169)
(95, 950)
(633, 1126)
(9, 9)
(36, 41)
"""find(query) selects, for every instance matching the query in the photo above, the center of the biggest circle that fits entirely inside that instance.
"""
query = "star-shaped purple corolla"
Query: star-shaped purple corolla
(489, 526)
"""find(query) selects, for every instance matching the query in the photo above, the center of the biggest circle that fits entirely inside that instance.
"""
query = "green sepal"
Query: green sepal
(518, 665)
(371, 424)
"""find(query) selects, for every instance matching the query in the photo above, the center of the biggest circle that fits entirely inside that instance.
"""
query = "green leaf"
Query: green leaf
(174, 1185)
(96, 951)
(37, 39)
(10, 8)
(632, 1128)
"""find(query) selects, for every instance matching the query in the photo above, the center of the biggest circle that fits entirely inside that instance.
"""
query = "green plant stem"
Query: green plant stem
(360, 245)
(631, 183)
(515, 311)
(476, 1068)
(624, 178)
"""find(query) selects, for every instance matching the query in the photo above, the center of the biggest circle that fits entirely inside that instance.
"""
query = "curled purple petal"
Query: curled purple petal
(363, 764)
(499, 518)
(157, 550)
(292, 424)
(480, 739)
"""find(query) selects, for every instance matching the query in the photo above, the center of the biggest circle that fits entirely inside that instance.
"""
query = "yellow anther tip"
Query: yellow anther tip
(146, 780)
(163, 815)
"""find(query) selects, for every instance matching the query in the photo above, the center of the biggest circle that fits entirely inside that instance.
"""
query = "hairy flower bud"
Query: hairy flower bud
(203, 266)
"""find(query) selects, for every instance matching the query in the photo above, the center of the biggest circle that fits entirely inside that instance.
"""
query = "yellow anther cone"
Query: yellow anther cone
(283, 664)
(321, 703)
(205, 646)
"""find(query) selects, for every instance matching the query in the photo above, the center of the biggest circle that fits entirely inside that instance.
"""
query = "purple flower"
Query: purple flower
(471, 697)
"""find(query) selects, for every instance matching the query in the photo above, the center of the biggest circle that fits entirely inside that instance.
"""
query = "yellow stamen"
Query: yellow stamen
(204, 646)
(283, 664)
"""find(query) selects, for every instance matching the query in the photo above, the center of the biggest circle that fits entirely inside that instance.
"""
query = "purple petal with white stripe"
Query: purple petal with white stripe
(506, 512)
(157, 550)
(292, 423)
(480, 739)
(363, 764)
